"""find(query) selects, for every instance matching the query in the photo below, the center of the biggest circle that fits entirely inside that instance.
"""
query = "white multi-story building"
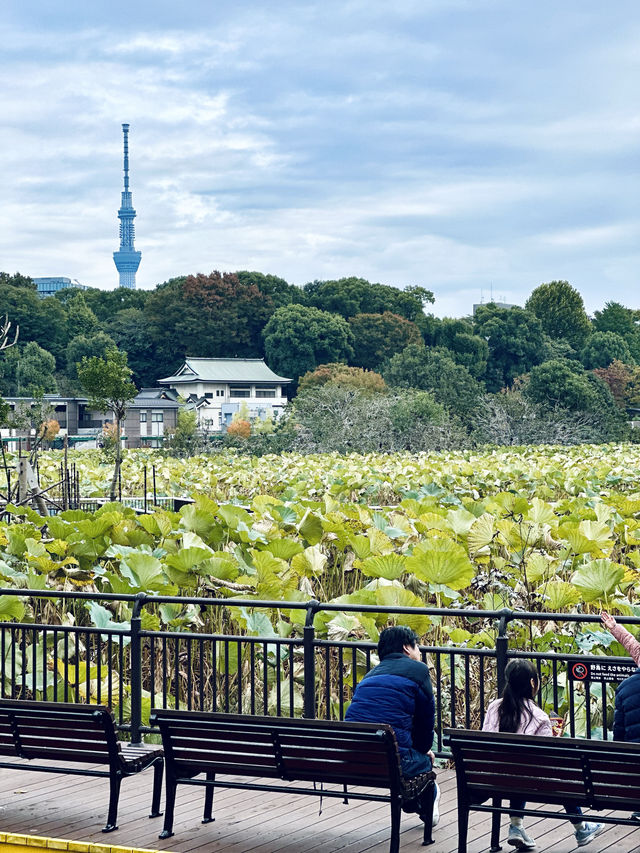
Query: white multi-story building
(219, 386)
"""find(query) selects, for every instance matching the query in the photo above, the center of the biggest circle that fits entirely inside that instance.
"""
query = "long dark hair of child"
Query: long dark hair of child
(514, 707)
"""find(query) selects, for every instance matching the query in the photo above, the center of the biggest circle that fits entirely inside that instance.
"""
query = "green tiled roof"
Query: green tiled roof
(224, 370)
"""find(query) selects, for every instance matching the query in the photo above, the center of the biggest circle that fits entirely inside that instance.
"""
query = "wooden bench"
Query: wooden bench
(56, 732)
(294, 750)
(552, 771)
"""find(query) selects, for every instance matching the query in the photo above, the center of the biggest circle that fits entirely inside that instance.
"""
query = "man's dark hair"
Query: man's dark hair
(394, 639)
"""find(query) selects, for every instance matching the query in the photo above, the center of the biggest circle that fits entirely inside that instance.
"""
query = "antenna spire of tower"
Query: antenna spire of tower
(126, 259)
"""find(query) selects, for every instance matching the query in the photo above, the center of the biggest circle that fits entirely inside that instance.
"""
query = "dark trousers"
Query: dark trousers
(575, 810)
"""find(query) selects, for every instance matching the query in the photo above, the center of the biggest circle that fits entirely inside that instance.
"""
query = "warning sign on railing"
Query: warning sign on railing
(607, 671)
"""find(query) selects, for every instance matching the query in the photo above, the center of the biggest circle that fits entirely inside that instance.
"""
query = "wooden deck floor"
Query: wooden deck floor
(74, 808)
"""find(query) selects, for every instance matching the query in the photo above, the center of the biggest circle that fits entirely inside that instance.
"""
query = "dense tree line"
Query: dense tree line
(488, 374)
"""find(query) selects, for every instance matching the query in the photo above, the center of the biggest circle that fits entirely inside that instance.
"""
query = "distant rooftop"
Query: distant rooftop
(224, 370)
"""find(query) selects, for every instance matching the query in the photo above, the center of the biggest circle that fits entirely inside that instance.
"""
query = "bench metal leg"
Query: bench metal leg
(114, 795)
(208, 799)
(158, 767)
(394, 846)
(169, 805)
(463, 826)
(495, 826)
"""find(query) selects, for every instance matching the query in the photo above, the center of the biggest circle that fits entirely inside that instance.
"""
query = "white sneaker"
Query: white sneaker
(519, 838)
(585, 836)
(436, 811)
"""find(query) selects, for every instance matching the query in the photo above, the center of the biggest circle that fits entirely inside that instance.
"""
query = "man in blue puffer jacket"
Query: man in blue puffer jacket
(398, 692)
(626, 717)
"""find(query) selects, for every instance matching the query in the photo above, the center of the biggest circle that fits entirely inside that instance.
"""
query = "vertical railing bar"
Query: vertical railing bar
(189, 676)
(99, 668)
(252, 647)
(87, 645)
(587, 702)
(201, 672)
(554, 665)
(3, 652)
(23, 655)
(467, 692)
(45, 669)
(164, 672)
(176, 686)
(121, 678)
(481, 669)
(265, 679)
(291, 691)
(214, 662)
(239, 671)
(340, 683)
(452, 690)
(54, 675)
(226, 676)
(110, 670)
(327, 682)
(152, 670)
(34, 662)
(66, 666)
(278, 683)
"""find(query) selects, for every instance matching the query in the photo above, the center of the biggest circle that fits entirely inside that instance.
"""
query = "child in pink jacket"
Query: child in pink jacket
(517, 712)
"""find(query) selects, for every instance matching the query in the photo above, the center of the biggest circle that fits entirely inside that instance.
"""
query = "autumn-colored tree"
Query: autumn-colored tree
(49, 430)
(617, 376)
(239, 429)
(338, 373)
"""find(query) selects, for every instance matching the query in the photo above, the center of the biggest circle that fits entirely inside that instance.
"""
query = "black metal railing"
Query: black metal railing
(134, 668)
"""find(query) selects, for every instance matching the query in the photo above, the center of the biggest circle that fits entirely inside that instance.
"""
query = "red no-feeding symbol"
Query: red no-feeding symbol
(579, 671)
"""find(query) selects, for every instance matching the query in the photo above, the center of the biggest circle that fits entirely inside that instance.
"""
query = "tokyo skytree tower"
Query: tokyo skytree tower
(126, 259)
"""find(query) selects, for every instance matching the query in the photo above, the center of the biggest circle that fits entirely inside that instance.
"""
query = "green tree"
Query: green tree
(604, 347)
(560, 309)
(277, 289)
(132, 332)
(433, 370)
(80, 318)
(566, 384)
(35, 371)
(515, 339)
(41, 320)
(351, 296)
(106, 303)
(458, 337)
(614, 317)
(298, 338)
(107, 383)
(376, 337)
(86, 346)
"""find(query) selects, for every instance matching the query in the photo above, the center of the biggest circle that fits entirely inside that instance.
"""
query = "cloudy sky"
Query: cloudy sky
(474, 147)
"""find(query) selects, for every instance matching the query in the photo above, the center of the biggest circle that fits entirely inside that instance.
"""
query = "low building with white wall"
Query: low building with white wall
(219, 386)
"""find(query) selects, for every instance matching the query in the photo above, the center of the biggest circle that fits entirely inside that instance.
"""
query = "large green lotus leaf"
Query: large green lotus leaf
(598, 579)
(587, 537)
(361, 546)
(35, 548)
(192, 540)
(539, 567)
(389, 566)
(143, 571)
(286, 514)
(310, 562)
(393, 595)
(11, 607)
(434, 521)
(559, 595)
(541, 512)
(223, 566)
(187, 559)
(461, 521)
(58, 527)
(200, 521)
(441, 561)
(379, 542)
(264, 561)
(284, 549)
(310, 528)
(103, 618)
(481, 534)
